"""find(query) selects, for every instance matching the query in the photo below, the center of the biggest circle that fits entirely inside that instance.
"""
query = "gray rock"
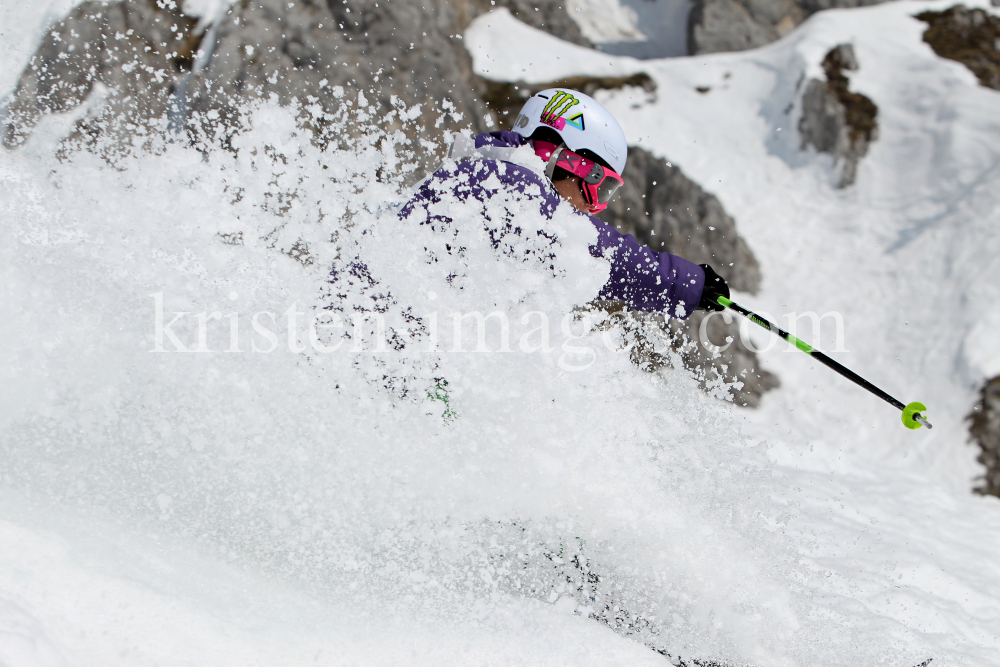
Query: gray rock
(128, 47)
(969, 36)
(550, 16)
(985, 432)
(669, 212)
(835, 120)
(731, 25)
(822, 122)
(813, 6)
(737, 25)
(409, 50)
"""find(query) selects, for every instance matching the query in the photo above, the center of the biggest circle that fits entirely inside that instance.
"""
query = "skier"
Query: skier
(584, 151)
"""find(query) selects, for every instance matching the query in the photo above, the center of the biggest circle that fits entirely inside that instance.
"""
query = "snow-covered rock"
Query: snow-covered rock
(970, 36)
(834, 120)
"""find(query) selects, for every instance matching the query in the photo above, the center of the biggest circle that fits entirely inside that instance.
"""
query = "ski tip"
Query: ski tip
(913, 417)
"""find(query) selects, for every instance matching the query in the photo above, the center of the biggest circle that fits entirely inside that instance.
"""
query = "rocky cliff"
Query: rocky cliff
(150, 57)
(985, 430)
(736, 25)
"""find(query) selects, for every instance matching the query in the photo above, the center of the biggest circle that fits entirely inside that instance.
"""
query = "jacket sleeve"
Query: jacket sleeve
(655, 282)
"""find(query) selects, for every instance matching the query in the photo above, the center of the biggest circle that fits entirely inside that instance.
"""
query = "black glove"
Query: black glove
(715, 286)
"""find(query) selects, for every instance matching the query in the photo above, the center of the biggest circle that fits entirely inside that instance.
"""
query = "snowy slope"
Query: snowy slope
(214, 508)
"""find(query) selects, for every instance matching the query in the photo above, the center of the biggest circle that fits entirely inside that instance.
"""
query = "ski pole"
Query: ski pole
(912, 413)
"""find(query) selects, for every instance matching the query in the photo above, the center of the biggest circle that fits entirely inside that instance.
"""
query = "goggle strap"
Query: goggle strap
(550, 166)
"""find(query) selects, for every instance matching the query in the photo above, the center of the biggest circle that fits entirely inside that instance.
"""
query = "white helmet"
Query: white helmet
(581, 121)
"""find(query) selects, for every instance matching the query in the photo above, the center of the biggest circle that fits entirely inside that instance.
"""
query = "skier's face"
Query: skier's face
(570, 190)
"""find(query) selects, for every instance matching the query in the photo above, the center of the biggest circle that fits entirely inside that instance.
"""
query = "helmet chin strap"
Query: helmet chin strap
(550, 166)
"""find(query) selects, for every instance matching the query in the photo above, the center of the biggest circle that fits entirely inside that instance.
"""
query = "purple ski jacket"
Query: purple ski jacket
(646, 280)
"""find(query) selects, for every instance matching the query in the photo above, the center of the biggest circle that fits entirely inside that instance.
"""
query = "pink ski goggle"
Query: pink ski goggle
(598, 182)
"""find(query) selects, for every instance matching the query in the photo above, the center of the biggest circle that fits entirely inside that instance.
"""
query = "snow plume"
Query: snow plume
(170, 325)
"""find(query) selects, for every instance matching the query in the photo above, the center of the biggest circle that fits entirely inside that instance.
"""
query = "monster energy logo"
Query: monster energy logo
(560, 103)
